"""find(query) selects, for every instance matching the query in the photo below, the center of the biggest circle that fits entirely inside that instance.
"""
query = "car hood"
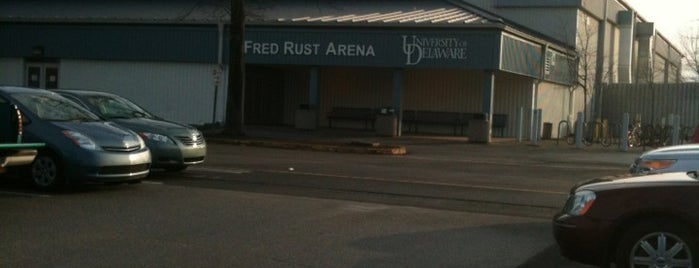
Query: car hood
(154, 125)
(629, 181)
(104, 134)
(687, 151)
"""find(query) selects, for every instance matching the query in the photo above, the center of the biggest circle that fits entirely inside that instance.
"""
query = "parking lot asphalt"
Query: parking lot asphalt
(368, 142)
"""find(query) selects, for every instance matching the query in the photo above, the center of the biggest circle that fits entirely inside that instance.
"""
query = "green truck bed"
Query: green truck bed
(13, 152)
(17, 154)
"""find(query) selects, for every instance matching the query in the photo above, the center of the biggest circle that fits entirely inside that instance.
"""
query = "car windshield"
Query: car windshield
(112, 107)
(53, 107)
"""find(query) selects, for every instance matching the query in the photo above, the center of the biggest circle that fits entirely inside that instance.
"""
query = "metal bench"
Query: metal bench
(366, 115)
(456, 120)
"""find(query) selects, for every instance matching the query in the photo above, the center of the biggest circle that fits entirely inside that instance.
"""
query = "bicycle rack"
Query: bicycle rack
(567, 124)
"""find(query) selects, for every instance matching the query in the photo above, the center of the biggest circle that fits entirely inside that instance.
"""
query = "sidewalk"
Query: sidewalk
(367, 142)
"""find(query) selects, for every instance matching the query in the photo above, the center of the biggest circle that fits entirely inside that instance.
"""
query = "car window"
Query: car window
(53, 107)
(115, 107)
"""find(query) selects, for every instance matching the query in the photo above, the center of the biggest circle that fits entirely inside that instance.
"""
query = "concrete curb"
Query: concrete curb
(352, 147)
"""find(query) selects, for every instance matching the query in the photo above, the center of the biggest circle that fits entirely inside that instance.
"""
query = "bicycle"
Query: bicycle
(598, 133)
(656, 136)
(686, 135)
(633, 135)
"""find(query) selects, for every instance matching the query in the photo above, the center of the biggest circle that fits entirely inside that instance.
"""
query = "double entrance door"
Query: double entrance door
(41, 75)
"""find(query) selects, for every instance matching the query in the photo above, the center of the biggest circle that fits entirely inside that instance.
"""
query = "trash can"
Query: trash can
(386, 122)
(305, 117)
(479, 128)
(548, 128)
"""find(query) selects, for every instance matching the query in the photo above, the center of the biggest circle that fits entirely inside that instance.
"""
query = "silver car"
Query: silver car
(79, 145)
(174, 146)
(677, 158)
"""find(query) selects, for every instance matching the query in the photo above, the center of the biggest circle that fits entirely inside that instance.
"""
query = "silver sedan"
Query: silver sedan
(174, 146)
(677, 158)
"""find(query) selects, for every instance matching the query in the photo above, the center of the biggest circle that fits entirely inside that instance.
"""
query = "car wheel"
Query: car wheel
(45, 171)
(657, 244)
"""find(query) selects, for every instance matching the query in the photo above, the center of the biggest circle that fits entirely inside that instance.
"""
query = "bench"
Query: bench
(366, 115)
(414, 119)
(459, 121)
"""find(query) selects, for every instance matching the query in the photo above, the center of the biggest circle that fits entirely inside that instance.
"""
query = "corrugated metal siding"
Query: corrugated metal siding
(511, 93)
(11, 71)
(446, 90)
(353, 87)
(424, 89)
(173, 12)
(180, 92)
(431, 16)
(442, 90)
(652, 102)
(113, 42)
(554, 101)
(521, 57)
(296, 91)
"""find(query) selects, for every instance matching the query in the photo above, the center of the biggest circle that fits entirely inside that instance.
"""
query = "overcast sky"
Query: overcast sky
(670, 16)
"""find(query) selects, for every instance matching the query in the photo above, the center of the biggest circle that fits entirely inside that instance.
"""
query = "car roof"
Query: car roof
(675, 151)
(84, 92)
(677, 148)
(18, 89)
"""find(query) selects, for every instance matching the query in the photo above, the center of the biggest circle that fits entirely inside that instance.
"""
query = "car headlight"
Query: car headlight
(580, 203)
(155, 137)
(80, 139)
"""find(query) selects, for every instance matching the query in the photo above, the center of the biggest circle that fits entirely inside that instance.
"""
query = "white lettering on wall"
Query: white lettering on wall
(309, 49)
(416, 49)
(261, 48)
(351, 50)
(291, 48)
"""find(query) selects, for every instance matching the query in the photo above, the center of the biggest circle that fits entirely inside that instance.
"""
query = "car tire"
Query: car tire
(45, 171)
(639, 241)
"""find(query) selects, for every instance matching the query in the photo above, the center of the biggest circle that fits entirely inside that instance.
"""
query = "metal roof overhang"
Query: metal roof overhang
(448, 34)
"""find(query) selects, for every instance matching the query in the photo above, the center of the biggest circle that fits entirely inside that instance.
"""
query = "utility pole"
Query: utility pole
(235, 107)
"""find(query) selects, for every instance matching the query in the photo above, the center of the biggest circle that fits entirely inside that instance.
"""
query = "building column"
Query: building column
(645, 32)
(306, 116)
(488, 93)
(313, 88)
(480, 128)
(397, 99)
(626, 23)
(603, 42)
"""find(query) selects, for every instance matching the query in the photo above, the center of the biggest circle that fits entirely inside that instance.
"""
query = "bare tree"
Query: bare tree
(235, 11)
(689, 40)
(583, 66)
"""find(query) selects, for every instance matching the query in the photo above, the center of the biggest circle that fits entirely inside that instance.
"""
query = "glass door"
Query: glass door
(42, 75)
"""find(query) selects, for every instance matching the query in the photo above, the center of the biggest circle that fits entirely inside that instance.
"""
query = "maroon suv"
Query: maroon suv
(645, 221)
